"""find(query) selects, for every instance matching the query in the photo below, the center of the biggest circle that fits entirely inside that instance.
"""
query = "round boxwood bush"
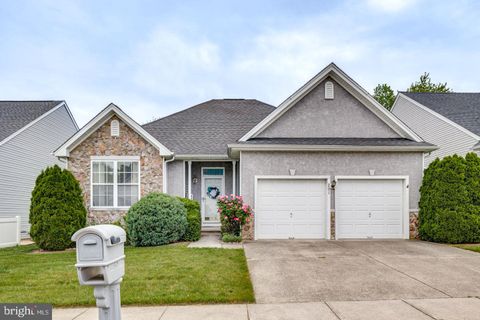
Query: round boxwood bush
(156, 219)
(194, 219)
(56, 209)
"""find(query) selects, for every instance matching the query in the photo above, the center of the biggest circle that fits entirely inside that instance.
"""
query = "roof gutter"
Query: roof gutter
(234, 149)
(202, 157)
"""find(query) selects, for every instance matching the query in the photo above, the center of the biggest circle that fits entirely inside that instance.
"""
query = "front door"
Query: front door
(213, 186)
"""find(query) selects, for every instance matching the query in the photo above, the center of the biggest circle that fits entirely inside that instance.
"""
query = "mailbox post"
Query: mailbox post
(101, 264)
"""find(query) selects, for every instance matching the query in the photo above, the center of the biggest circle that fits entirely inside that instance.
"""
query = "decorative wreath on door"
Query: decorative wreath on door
(213, 192)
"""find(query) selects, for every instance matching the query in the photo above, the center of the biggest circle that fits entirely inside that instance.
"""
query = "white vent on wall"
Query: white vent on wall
(329, 94)
(115, 128)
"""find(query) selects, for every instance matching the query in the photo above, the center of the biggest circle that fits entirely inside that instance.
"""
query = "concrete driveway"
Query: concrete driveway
(308, 271)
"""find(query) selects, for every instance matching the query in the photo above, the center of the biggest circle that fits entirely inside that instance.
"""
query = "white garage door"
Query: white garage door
(369, 208)
(291, 208)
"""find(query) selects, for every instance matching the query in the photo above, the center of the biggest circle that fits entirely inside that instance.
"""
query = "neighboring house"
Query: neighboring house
(449, 120)
(329, 162)
(29, 132)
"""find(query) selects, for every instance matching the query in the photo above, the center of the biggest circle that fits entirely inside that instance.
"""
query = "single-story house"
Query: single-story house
(449, 120)
(329, 162)
(29, 133)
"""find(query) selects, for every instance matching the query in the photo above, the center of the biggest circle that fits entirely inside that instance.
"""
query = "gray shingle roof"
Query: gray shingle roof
(395, 142)
(460, 107)
(15, 115)
(208, 127)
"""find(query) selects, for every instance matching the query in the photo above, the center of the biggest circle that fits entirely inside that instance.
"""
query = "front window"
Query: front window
(115, 183)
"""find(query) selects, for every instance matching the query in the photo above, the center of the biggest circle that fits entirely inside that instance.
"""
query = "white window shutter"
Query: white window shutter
(114, 128)
(329, 93)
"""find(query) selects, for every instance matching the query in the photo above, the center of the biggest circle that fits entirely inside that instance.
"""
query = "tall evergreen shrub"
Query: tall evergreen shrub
(56, 209)
(449, 200)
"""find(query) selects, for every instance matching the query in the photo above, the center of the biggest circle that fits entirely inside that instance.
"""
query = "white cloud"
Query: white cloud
(173, 67)
(172, 64)
(390, 5)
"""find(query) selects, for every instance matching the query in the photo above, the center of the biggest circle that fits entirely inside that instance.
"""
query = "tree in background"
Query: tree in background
(384, 94)
(425, 85)
(56, 209)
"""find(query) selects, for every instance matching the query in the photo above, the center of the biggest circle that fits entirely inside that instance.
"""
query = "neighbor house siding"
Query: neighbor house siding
(128, 143)
(430, 128)
(23, 157)
(331, 164)
(314, 116)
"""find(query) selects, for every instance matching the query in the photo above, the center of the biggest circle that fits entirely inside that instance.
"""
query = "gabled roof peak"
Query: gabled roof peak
(98, 121)
(337, 74)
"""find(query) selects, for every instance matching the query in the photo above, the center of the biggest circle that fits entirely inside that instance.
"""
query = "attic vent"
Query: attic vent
(329, 94)
(115, 128)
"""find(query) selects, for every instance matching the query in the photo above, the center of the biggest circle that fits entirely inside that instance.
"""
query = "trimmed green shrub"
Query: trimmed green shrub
(472, 178)
(56, 209)
(123, 224)
(228, 237)
(449, 200)
(194, 219)
(454, 226)
(156, 219)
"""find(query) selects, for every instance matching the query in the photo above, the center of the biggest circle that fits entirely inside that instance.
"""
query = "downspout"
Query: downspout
(165, 181)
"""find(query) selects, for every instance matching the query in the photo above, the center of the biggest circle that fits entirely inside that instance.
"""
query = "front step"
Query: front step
(210, 229)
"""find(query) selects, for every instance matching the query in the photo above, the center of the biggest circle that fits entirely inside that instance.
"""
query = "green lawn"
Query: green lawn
(472, 247)
(172, 274)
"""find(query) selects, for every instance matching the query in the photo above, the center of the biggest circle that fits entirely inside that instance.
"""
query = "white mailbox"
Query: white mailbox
(100, 255)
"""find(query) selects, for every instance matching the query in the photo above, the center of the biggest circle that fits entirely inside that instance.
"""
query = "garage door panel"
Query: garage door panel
(369, 208)
(309, 215)
(273, 231)
(355, 214)
(290, 200)
(290, 208)
(354, 230)
(309, 231)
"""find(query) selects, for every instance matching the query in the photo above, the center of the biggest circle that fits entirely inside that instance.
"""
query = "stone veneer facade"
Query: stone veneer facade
(128, 143)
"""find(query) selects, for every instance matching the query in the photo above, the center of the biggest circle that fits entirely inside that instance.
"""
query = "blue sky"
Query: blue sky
(153, 58)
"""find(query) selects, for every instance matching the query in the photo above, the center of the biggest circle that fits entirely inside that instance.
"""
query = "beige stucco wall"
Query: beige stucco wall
(129, 143)
(343, 117)
(331, 164)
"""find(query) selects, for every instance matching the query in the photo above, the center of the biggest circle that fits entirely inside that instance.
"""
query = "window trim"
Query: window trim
(115, 160)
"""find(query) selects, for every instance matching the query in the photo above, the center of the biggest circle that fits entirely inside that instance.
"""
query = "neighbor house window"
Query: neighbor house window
(115, 183)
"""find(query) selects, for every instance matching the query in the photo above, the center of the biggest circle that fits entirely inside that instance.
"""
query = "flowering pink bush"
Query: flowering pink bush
(233, 213)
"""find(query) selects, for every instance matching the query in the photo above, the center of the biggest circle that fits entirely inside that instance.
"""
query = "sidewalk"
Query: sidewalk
(416, 309)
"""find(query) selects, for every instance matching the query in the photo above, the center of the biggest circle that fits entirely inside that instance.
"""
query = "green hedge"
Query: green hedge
(56, 209)
(194, 219)
(156, 219)
(450, 200)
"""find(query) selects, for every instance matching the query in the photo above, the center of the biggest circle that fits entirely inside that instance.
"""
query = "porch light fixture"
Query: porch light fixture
(195, 180)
